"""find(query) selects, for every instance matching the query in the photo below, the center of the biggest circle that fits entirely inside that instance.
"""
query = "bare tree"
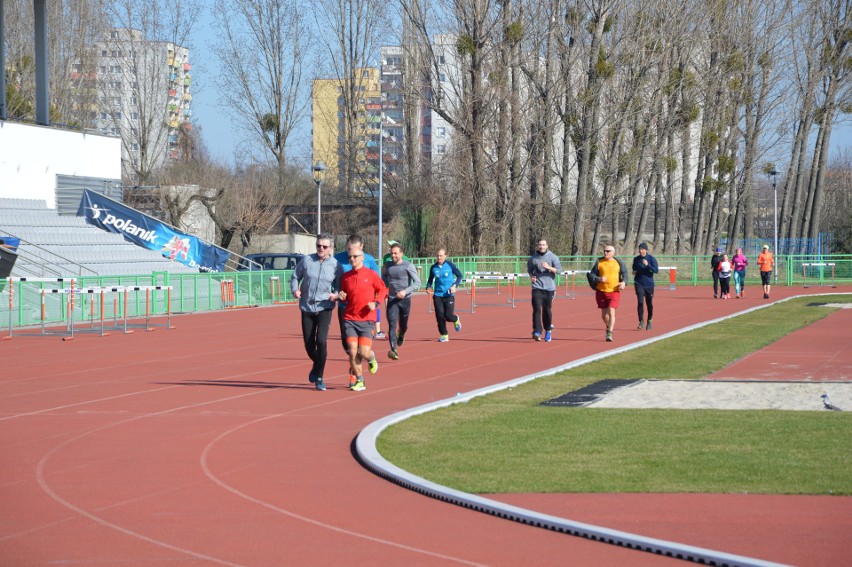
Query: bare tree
(349, 49)
(147, 40)
(464, 98)
(74, 27)
(262, 48)
(836, 94)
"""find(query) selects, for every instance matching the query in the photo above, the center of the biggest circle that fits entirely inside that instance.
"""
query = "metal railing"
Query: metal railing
(198, 292)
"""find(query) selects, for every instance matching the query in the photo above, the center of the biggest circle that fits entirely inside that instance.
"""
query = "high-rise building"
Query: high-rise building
(143, 94)
(328, 130)
(386, 118)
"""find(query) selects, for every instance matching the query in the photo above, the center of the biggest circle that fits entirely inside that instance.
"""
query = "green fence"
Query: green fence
(48, 302)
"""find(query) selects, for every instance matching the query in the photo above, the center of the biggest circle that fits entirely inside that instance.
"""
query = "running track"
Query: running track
(205, 445)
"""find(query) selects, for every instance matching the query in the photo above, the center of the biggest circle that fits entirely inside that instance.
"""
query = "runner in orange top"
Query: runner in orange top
(611, 277)
(766, 261)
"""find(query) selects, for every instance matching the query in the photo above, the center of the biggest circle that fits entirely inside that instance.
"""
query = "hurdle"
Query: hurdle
(570, 283)
(69, 326)
(228, 294)
(672, 276)
(510, 278)
(822, 266)
(11, 307)
(275, 290)
(10, 283)
(149, 297)
(100, 303)
(469, 275)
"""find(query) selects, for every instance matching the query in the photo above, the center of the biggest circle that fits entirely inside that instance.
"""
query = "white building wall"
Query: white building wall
(32, 156)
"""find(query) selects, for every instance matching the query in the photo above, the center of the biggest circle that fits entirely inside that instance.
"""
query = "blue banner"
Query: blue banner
(9, 242)
(150, 233)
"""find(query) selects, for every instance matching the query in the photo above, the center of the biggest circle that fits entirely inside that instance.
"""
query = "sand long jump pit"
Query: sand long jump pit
(711, 394)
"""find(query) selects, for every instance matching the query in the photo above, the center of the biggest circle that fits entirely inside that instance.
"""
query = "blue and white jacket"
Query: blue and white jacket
(443, 276)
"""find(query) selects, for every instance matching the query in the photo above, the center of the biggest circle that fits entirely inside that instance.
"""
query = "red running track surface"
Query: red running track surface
(206, 445)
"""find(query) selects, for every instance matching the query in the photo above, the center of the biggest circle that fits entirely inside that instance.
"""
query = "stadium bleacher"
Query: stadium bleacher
(52, 243)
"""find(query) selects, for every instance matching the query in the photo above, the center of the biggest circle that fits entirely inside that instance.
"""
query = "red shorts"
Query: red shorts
(607, 299)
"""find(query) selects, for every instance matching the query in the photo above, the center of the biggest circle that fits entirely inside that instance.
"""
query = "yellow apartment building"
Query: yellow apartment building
(327, 128)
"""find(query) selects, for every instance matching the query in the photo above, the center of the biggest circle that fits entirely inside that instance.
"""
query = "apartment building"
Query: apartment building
(328, 130)
(143, 96)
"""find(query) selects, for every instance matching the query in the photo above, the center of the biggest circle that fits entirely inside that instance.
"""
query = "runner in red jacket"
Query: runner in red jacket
(363, 291)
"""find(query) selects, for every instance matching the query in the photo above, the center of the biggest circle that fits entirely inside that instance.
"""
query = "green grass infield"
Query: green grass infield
(506, 442)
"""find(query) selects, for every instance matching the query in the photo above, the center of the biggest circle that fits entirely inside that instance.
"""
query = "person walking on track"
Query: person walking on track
(445, 277)
(766, 262)
(714, 268)
(610, 276)
(363, 291)
(543, 267)
(401, 278)
(314, 284)
(725, 268)
(644, 268)
(739, 262)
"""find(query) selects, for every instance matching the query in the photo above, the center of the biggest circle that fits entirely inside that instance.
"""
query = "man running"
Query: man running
(644, 268)
(363, 291)
(446, 278)
(402, 280)
(610, 275)
(344, 266)
(314, 284)
(543, 267)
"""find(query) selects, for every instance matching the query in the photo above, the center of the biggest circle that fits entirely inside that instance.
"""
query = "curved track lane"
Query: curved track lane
(206, 445)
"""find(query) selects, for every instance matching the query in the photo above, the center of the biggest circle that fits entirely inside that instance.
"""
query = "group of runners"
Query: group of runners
(723, 269)
(354, 282)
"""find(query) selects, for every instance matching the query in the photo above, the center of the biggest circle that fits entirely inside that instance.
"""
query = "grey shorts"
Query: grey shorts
(359, 329)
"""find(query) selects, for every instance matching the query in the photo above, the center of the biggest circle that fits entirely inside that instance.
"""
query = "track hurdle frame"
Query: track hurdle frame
(69, 325)
(510, 301)
(469, 275)
(572, 273)
(820, 265)
(10, 283)
(672, 276)
(275, 289)
(101, 304)
(228, 291)
(149, 291)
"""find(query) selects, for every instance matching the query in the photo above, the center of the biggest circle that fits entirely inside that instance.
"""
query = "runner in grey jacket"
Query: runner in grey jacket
(314, 282)
(543, 267)
(402, 280)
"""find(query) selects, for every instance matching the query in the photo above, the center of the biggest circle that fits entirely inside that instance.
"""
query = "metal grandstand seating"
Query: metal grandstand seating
(53, 243)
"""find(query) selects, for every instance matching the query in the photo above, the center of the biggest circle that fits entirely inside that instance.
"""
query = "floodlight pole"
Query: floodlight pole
(319, 168)
(381, 167)
(774, 174)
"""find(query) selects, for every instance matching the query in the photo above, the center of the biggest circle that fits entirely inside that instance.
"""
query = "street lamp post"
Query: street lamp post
(381, 168)
(319, 169)
(774, 175)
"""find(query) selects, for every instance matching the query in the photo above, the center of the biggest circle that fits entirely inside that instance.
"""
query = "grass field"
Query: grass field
(506, 442)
